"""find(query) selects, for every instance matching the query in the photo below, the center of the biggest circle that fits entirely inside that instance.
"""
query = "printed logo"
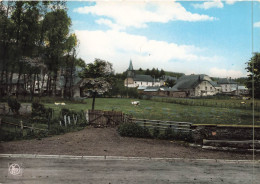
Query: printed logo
(15, 169)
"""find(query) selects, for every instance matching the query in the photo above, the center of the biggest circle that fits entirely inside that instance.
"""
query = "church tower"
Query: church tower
(130, 70)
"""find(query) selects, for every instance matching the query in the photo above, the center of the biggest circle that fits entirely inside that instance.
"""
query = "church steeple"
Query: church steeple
(130, 70)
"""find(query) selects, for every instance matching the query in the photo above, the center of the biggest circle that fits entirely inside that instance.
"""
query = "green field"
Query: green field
(149, 109)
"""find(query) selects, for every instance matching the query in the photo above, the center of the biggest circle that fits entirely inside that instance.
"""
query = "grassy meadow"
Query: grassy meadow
(156, 110)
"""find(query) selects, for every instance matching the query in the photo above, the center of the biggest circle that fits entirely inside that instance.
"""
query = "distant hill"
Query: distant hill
(174, 74)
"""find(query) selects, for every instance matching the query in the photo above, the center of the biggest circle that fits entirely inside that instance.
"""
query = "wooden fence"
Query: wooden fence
(19, 128)
(105, 118)
(162, 125)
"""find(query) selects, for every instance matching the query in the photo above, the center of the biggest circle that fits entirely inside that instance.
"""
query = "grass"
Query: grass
(149, 109)
(214, 102)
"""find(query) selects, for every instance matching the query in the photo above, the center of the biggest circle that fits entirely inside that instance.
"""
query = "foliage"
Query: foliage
(253, 67)
(40, 114)
(170, 83)
(35, 41)
(156, 132)
(14, 105)
(133, 130)
(97, 78)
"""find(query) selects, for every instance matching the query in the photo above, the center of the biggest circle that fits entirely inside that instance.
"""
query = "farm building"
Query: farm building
(228, 85)
(164, 92)
(197, 85)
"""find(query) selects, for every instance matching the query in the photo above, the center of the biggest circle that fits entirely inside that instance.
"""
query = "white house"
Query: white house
(134, 80)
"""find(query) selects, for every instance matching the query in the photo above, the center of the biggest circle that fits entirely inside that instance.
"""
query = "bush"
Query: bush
(14, 105)
(156, 132)
(133, 130)
(56, 129)
(9, 136)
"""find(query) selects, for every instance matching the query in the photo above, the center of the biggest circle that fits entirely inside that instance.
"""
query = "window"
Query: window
(141, 83)
(206, 88)
(210, 88)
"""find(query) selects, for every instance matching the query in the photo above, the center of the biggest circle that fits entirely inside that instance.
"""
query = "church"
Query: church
(141, 81)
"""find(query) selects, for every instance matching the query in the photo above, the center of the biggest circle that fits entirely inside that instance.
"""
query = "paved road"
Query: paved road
(111, 170)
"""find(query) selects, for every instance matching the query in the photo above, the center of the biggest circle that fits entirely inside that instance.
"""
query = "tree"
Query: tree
(169, 83)
(253, 67)
(56, 30)
(97, 78)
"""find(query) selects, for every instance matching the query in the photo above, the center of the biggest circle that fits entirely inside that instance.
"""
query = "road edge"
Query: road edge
(124, 158)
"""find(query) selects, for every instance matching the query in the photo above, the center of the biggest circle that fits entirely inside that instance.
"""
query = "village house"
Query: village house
(197, 85)
(228, 86)
(134, 80)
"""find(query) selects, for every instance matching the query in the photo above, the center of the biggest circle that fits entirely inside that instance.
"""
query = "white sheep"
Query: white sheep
(135, 103)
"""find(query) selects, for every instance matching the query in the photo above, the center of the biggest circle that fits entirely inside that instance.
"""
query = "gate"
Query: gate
(100, 118)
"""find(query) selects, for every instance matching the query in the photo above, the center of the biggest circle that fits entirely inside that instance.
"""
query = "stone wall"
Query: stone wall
(217, 132)
(24, 110)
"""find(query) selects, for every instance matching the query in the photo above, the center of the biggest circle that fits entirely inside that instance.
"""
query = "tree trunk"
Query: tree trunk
(93, 101)
(42, 85)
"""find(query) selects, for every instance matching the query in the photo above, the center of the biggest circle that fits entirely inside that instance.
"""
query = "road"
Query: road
(45, 169)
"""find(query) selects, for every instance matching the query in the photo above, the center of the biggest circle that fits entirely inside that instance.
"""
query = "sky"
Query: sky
(191, 37)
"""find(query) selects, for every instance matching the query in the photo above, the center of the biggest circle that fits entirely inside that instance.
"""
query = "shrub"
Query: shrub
(56, 129)
(156, 132)
(14, 105)
(168, 134)
(9, 136)
(40, 114)
(38, 109)
(133, 130)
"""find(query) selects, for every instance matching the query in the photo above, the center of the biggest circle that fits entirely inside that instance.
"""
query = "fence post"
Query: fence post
(69, 120)
(32, 129)
(21, 124)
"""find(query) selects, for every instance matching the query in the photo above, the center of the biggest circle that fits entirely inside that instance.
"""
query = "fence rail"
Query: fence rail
(20, 126)
(177, 126)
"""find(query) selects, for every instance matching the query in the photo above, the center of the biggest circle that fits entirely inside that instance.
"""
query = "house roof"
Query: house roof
(168, 89)
(242, 88)
(141, 87)
(190, 81)
(165, 77)
(214, 84)
(145, 78)
(152, 88)
(226, 81)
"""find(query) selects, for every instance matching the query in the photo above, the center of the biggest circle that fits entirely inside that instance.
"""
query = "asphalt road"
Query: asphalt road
(113, 170)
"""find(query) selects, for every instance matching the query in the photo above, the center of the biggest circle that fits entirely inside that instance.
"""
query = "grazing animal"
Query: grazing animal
(135, 103)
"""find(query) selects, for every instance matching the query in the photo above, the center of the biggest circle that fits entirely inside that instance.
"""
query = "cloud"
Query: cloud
(119, 47)
(218, 72)
(137, 14)
(257, 24)
(209, 4)
(230, 2)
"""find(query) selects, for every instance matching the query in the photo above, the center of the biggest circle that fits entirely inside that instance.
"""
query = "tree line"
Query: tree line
(36, 47)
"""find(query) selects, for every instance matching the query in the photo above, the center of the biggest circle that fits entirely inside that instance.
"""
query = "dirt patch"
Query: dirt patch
(106, 141)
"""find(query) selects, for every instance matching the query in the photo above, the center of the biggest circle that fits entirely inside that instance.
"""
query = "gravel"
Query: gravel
(106, 141)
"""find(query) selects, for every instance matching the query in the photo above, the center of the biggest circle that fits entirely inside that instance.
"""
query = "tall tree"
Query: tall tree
(56, 27)
(97, 78)
(253, 68)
